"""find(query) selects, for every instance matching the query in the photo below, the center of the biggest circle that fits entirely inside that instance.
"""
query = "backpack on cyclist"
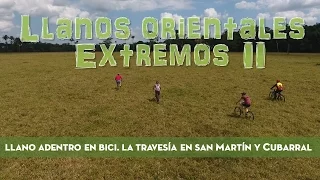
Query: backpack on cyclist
(280, 86)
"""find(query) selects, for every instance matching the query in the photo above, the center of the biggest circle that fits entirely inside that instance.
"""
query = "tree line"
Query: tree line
(309, 44)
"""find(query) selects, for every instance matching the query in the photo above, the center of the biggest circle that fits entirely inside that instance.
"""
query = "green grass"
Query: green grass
(42, 94)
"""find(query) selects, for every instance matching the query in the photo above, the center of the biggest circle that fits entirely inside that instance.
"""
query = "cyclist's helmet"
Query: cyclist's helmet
(278, 81)
(243, 93)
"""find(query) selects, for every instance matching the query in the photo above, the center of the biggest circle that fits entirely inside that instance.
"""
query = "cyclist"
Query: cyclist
(245, 101)
(157, 90)
(118, 79)
(279, 89)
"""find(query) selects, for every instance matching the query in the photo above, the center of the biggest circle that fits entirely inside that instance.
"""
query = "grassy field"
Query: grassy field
(42, 94)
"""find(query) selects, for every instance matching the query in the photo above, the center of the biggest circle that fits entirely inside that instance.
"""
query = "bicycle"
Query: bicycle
(118, 85)
(280, 96)
(238, 111)
(157, 96)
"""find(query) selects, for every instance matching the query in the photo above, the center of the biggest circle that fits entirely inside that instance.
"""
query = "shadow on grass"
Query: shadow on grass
(152, 99)
(234, 115)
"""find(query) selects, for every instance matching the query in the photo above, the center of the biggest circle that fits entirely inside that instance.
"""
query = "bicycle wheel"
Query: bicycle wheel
(118, 85)
(271, 95)
(250, 115)
(237, 111)
(157, 96)
(281, 98)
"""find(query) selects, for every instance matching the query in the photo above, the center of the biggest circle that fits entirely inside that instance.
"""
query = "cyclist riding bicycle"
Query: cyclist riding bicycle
(157, 89)
(245, 101)
(118, 79)
(278, 90)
